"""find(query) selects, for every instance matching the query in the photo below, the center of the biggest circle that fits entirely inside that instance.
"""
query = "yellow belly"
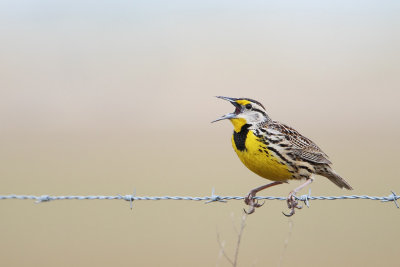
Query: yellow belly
(265, 164)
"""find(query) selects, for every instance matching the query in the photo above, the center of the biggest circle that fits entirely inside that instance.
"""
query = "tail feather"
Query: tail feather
(335, 178)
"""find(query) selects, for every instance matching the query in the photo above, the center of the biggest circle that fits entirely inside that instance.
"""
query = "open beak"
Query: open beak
(229, 115)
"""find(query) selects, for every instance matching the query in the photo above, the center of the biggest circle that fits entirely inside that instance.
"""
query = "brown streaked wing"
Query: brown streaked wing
(301, 145)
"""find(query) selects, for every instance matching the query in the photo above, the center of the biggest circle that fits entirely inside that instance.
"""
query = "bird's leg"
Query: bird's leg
(292, 201)
(253, 203)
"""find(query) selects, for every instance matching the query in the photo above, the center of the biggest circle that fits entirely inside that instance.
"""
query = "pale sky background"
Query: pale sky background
(100, 97)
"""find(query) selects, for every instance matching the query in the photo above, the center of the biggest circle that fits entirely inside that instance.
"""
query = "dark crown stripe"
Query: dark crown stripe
(254, 101)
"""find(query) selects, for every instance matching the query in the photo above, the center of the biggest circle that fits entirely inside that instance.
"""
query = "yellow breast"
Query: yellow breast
(256, 156)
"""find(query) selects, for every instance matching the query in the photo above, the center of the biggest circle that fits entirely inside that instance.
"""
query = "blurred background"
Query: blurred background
(104, 97)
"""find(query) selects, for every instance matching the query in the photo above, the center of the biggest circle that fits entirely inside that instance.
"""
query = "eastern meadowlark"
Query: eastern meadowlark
(275, 151)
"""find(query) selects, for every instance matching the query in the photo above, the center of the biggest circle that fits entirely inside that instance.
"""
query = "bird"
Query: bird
(275, 151)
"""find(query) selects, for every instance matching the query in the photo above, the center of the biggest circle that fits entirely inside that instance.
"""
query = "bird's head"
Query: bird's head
(247, 111)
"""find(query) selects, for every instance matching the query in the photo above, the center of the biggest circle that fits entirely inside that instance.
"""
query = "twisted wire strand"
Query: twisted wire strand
(213, 198)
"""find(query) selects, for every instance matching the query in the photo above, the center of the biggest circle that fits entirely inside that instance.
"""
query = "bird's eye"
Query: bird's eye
(248, 106)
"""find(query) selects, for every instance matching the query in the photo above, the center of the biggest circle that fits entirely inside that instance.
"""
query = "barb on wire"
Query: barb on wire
(213, 198)
(305, 198)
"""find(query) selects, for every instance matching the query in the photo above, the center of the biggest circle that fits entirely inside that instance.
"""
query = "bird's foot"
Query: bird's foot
(253, 203)
(292, 203)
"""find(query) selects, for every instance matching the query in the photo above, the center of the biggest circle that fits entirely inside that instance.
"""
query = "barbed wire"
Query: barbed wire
(207, 199)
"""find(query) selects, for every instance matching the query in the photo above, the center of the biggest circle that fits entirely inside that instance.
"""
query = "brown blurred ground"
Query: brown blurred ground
(107, 98)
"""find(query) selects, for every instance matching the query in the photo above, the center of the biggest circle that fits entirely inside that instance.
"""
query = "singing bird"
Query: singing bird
(275, 151)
